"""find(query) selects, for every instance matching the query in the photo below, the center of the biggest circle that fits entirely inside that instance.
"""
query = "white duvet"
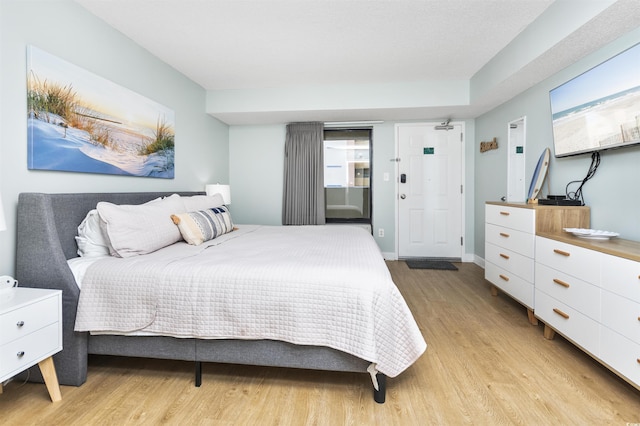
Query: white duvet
(310, 285)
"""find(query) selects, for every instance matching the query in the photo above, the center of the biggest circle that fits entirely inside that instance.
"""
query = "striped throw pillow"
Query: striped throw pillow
(204, 225)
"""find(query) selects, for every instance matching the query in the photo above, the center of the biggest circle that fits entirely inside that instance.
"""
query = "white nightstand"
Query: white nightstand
(31, 333)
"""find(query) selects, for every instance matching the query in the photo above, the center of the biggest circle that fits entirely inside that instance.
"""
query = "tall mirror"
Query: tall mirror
(517, 135)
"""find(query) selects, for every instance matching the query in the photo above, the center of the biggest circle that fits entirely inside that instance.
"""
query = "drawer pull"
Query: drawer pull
(505, 213)
(20, 354)
(638, 360)
(504, 277)
(560, 282)
(559, 312)
(20, 323)
(563, 253)
(503, 234)
(505, 256)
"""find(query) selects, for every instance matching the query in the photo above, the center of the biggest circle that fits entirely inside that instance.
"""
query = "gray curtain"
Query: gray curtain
(303, 197)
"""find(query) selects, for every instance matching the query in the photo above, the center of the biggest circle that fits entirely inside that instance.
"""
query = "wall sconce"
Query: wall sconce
(224, 190)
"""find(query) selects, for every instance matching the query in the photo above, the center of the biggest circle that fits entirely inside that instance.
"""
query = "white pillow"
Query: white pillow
(141, 229)
(91, 239)
(196, 203)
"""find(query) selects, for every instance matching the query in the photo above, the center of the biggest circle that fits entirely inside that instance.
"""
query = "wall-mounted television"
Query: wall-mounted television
(599, 109)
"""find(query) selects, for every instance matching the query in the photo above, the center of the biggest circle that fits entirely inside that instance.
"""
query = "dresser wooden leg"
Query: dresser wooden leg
(494, 290)
(549, 333)
(532, 318)
(50, 378)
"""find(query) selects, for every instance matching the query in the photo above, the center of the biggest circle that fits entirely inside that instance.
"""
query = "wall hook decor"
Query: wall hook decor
(486, 146)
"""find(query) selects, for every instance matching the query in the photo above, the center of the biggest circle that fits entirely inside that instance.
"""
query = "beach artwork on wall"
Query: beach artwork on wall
(81, 122)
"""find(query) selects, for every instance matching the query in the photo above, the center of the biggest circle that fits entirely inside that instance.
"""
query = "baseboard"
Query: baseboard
(389, 255)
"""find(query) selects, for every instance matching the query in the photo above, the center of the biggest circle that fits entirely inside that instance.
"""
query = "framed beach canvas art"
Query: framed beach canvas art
(81, 122)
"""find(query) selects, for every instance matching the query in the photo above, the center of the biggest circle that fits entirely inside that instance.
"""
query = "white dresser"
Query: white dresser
(31, 333)
(589, 291)
(510, 230)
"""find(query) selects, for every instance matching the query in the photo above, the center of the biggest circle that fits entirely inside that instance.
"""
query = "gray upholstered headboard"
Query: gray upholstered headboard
(38, 212)
(47, 227)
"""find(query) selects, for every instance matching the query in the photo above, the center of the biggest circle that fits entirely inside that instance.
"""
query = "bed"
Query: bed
(243, 297)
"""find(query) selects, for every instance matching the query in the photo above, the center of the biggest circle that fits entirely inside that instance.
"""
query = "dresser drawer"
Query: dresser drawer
(575, 326)
(621, 314)
(510, 261)
(621, 354)
(521, 219)
(580, 295)
(27, 319)
(570, 259)
(621, 276)
(511, 284)
(517, 241)
(35, 346)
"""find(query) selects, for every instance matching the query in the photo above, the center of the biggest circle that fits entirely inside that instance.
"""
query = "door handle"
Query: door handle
(402, 196)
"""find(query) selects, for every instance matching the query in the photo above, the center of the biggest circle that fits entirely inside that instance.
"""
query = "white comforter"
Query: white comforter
(310, 285)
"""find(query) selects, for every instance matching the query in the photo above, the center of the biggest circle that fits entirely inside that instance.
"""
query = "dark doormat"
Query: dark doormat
(430, 264)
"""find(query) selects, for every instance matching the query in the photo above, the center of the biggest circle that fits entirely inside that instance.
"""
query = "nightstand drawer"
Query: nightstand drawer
(521, 219)
(22, 353)
(27, 319)
(511, 239)
(575, 326)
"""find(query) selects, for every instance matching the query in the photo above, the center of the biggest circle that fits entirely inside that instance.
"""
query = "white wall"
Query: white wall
(613, 194)
(68, 31)
(256, 160)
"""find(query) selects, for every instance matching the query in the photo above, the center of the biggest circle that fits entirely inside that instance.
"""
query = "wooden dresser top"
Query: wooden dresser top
(615, 246)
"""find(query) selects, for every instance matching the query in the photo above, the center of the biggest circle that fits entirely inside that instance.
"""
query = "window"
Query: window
(347, 175)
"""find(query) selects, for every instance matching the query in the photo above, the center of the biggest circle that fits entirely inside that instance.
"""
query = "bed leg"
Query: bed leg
(380, 394)
(198, 373)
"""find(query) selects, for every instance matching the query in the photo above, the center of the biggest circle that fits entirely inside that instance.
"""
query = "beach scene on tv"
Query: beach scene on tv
(599, 109)
(80, 122)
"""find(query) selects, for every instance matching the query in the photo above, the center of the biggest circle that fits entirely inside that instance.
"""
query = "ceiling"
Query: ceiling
(249, 45)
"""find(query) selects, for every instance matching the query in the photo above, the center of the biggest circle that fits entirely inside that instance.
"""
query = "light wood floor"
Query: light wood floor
(484, 365)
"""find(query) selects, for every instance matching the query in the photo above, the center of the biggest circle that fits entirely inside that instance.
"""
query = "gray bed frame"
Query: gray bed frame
(47, 226)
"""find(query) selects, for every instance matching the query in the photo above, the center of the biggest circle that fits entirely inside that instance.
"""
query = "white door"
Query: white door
(515, 161)
(430, 190)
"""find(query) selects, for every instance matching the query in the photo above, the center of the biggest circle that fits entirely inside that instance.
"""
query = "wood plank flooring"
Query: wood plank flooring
(485, 364)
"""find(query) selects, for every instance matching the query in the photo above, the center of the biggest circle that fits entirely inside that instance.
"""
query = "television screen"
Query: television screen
(599, 109)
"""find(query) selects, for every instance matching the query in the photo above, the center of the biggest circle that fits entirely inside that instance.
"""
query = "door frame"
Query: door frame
(396, 203)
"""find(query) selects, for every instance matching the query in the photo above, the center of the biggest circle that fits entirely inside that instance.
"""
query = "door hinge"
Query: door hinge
(462, 189)
(461, 241)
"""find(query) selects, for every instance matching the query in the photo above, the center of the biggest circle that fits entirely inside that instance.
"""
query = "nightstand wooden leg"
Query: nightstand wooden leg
(532, 318)
(494, 290)
(50, 378)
